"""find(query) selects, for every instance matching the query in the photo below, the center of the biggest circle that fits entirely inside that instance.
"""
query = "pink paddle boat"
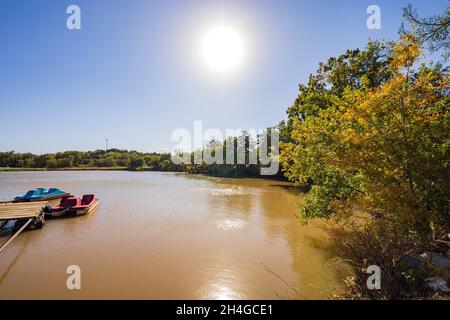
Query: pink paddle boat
(73, 206)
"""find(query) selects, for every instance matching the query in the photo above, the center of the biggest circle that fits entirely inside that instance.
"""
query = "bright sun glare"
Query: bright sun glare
(222, 49)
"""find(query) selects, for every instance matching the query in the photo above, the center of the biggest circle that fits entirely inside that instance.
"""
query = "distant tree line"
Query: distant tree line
(113, 158)
(245, 159)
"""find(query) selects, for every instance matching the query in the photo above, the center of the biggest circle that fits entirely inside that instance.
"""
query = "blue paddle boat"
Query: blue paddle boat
(41, 194)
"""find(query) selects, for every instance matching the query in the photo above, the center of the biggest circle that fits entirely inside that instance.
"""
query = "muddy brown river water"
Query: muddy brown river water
(169, 236)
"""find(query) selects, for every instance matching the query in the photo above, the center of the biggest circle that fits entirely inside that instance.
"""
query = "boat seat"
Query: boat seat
(29, 193)
(87, 199)
(73, 202)
(64, 201)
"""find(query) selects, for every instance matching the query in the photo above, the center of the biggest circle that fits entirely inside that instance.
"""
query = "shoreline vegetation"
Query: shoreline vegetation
(113, 159)
(368, 135)
(116, 160)
(370, 132)
(134, 161)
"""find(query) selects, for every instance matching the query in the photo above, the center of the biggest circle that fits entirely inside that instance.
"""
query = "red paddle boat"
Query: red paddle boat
(73, 206)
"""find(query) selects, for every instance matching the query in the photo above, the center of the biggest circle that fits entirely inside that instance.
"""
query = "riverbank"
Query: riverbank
(142, 169)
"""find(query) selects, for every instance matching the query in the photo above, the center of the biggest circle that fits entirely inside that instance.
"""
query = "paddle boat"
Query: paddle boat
(41, 194)
(71, 205)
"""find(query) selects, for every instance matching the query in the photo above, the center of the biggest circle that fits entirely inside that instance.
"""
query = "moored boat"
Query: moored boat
(41, 194)
(71, 205)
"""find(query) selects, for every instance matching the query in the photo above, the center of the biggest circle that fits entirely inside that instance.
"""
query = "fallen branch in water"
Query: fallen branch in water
(280, 278)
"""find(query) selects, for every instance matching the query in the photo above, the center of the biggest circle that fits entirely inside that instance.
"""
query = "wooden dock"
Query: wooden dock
(26, 214)
(22, 210)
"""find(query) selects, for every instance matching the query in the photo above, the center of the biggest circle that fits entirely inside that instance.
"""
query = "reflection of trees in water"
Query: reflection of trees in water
(310, 247)
(299, 255)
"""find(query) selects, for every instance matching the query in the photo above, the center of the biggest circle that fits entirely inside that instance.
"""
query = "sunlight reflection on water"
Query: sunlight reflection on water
(219, 291)
(231, 191)
(230, 224)
(224, 284)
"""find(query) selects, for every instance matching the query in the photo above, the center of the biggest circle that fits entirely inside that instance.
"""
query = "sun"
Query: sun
(222, 49)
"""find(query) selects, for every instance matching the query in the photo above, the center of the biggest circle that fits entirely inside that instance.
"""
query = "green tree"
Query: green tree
(382, 152)
(136, 163)
(65, 162)
(433, 30)
(384, 147)
(51, 162)
(107, 161)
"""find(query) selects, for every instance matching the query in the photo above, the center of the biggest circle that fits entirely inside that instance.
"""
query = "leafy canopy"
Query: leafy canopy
(371, 132)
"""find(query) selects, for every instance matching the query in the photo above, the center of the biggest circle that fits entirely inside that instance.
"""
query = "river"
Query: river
(169, 236)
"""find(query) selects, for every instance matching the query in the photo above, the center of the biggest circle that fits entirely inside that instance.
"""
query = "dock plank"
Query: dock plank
(12, 211)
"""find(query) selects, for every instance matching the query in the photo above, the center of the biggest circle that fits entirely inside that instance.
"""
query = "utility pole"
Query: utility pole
(106, 149)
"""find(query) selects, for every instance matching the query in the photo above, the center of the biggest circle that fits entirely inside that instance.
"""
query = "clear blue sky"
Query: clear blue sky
(132, 73)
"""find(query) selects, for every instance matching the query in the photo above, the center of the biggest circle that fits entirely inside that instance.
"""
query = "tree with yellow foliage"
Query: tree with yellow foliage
(383, 151)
